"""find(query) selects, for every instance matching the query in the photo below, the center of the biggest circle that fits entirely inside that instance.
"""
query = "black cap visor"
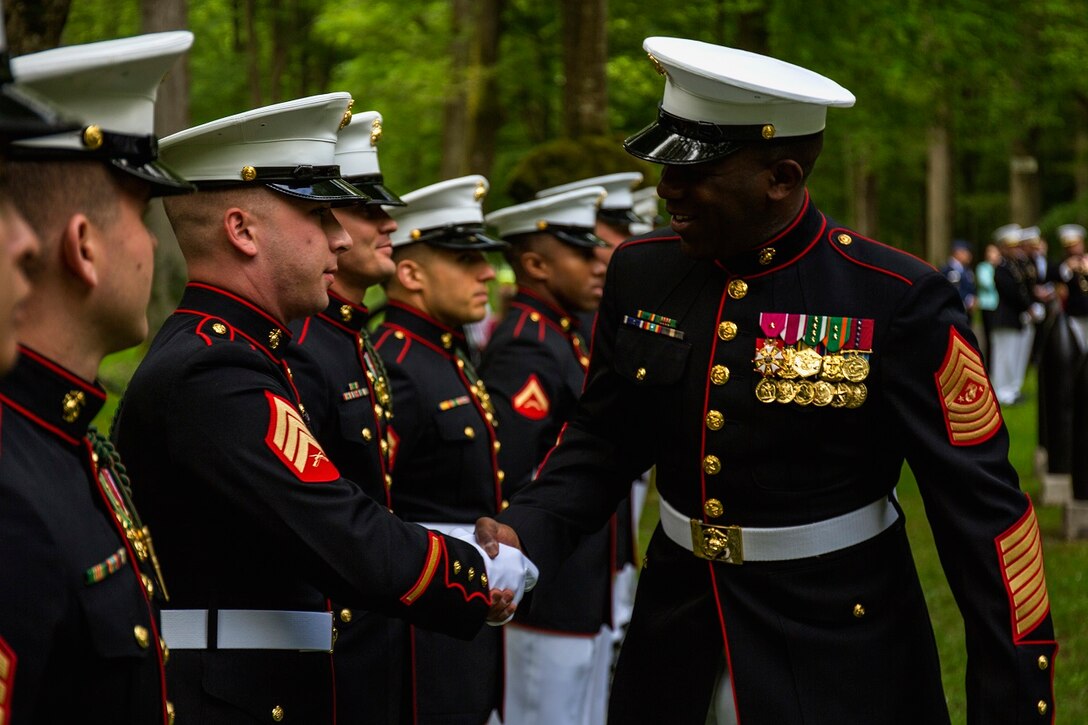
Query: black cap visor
(22, 115)
(163, 181)
(373, 187)
(470, 236)
(618, 217)
(335, 191)
(664, 145)
(576, 236)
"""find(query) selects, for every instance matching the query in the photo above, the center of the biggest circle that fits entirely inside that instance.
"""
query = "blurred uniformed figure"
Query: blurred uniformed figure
(342, 384)
(645, 203)
(257, 525)
(779, 368)
(1013, 329)
(22, 115)
(80, 638)
(615, 219)
(559, 651)
(444, 445)
(957, 270)
(1073, 275)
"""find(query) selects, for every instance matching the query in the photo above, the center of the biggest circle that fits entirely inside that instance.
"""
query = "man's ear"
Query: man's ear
(410, 275)
(242, 230)
(535, 266)
(786, 176)
(80, 249)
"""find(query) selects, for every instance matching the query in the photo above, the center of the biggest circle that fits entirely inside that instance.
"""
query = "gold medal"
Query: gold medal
(786, 389)
(766, 390)
(805, 393)
(787, 370)
(822, 393)
(807, 362)
(855, 368)
(832, 369)
(858, 394)
(838, 398)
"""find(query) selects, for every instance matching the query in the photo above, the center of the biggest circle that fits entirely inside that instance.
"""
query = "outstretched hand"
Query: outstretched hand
(490, 533)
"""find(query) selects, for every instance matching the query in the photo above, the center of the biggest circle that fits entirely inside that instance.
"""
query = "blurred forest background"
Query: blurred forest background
(970, 113)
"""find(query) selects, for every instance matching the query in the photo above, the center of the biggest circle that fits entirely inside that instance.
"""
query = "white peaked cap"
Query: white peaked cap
(446, 214)
(111, 86)
(1008, 234)
(289, 147)
(570, 215)
(357, 155)
(1070, 234)
(717, 99)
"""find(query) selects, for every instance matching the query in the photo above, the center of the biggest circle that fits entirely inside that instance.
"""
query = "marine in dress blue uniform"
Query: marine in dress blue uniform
(1073, 275)
(445, 447)
(343, 385)
(559, 651)
(1012, 318)
(779, 385)
(258, 524)
(79, 638)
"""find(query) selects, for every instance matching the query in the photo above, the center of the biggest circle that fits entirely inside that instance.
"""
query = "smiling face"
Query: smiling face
(370, 259)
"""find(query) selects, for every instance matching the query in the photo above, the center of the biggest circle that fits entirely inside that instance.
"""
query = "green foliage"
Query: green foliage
(563, 160)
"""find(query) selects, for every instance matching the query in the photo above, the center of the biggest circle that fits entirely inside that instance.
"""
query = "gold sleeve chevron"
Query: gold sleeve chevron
(1020, 552)
(971, 412)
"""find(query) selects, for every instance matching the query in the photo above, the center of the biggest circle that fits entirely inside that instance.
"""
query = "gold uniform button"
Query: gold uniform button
(859, 610)
(535, 317)
(719, 375)
(388, 480)
(713, 508)
(170, 714)
(366, 434)
(496, 446)
(399, 335)
(715, 420)
(219, 328)
(564, 323)
(165, 650)
(1041, 706)
(738, 288)
(505, 504)
(447, 340)
(640, 374)
(470, 432)
(712, 465)
(727, 330)
(149, 586)
(456, 567)
(377, 410)
(143, 638)
(471, 573)
(1043, 662)
(278, 713)
(384, 446)
(501, 475)
(845, 239)
(345, 615)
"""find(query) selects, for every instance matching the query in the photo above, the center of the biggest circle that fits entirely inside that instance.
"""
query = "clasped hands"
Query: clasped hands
(509, 572)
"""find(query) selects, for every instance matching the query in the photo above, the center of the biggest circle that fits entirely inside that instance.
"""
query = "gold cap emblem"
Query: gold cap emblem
(72, 405)
(480, 191)
(768, 131)
(92, 137)
(249, 173)
(375, 132)
(657, 65)
(766, 255)
(347, 114)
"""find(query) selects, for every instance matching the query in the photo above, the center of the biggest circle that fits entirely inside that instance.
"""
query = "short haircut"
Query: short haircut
(48, 193)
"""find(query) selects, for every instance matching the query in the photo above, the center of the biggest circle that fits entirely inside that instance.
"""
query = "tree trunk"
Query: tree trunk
(484, 112)
(455, 109)
(34, 25)
(253, 53)
(585, 52)
(1024, 187)
(938, 194)
(752, 31)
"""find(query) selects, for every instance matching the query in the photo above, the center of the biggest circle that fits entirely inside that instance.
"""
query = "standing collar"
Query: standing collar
(425, 327)
(256, 325)
(784, 248)
(52, 396)
(527, 298)
(344, 314)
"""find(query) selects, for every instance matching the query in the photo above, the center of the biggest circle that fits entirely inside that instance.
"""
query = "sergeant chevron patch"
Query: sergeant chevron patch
(971, 412)
(7, 681)
(1020, 551)
(294, 444)
(531, 401)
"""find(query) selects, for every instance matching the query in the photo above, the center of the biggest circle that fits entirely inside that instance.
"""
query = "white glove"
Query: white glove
(511, 569)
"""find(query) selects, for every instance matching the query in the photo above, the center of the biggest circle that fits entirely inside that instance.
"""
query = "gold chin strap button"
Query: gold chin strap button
(143, 637)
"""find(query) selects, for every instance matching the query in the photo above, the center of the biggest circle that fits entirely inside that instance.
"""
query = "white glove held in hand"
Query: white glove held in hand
(509, 570)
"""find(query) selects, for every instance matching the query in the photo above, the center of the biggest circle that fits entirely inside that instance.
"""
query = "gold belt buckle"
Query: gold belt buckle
(717, 543)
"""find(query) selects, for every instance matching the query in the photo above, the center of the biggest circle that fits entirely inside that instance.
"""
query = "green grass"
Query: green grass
(1066, 574)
